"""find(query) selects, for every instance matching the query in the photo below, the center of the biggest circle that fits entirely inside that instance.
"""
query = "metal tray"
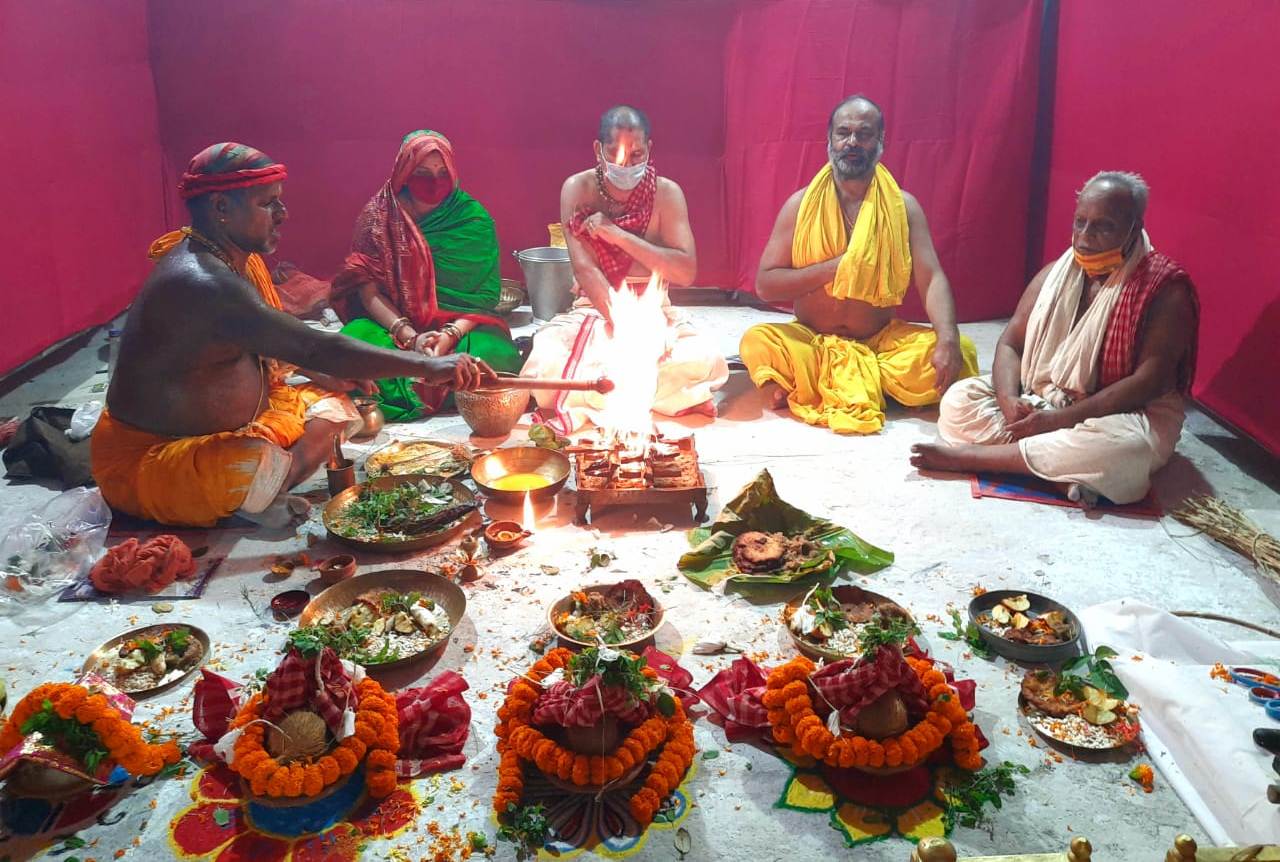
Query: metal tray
(459, 452)
(443, 591)
(846, 594)
(92, 665)
(1050, 654)
(340, 501)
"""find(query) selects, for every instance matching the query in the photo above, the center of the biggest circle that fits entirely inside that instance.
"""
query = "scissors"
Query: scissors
(1268, 698)
(1264, 688)
(1251, 677)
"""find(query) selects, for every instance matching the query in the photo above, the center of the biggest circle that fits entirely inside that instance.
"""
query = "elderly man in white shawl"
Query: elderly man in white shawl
(1089, 377)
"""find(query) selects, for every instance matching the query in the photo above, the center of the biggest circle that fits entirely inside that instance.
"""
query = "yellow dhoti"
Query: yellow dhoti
(195, 481)
(841, 383)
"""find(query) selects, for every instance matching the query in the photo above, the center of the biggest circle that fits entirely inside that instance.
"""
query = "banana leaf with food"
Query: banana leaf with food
(803, 544)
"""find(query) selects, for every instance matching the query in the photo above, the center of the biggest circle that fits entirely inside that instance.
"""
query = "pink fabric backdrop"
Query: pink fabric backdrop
(957, 82)
(739, 109)
(331, 86)
(1189, 98)
(80, 181)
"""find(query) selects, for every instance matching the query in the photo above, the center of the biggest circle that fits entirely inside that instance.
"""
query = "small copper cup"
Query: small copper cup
(341, 477)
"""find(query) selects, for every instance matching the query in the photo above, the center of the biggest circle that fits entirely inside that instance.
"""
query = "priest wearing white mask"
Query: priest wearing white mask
(624, 223)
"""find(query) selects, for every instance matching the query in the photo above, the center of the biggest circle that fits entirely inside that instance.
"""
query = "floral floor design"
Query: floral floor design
(863, 808)
(217, 826)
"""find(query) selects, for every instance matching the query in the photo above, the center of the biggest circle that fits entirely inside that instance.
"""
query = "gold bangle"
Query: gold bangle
(394, 331)
(451, 329)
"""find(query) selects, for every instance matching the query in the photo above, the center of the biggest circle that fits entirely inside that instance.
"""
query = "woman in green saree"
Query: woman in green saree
(423, 274)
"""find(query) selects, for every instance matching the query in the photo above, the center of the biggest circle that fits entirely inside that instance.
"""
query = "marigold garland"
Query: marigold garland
(120, 737)
(519, 741)
(376, 741)
(794, 723)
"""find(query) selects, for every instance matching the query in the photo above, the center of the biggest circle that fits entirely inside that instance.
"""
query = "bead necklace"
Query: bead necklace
(610, 200)
(212, 247)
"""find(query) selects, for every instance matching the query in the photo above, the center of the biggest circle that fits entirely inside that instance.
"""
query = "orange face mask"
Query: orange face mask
(1102, 263)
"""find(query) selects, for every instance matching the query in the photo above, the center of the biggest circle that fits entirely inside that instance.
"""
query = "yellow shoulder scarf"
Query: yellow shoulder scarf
(255, 267)
(876, 267)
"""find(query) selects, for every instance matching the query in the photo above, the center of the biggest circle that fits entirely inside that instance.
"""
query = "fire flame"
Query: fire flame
(527, 519)
(638, 343)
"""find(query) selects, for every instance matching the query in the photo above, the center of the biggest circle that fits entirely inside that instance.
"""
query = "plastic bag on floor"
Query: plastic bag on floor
(84, 420)
(43, 552)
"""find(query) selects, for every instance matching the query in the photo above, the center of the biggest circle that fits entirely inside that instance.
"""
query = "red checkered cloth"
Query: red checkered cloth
(614, 262)
(1123, 340)
(854, 684)
(734, 693)
(320, 683)
(565, 705)
(434, 723)
(217, 700)
(669, 671)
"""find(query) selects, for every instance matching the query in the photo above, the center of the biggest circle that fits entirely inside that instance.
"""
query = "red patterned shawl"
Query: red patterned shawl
(389, 251)
(1123, 341)
(638, 210)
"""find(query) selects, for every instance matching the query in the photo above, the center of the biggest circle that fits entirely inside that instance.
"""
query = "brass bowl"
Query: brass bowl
(492, 412)
(521, 459)
(566, 602)
(846, 594)
(510, 297)
(440, 589)
(340, 501)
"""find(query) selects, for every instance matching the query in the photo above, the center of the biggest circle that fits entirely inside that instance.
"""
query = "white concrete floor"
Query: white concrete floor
(945, 542)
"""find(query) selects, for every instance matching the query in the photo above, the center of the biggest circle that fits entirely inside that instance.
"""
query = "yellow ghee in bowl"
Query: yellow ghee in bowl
(520, 482)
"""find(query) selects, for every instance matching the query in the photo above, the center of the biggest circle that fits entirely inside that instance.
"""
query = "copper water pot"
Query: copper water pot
(373, 417)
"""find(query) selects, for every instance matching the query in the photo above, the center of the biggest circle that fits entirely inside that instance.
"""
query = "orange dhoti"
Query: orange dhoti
(195, 481)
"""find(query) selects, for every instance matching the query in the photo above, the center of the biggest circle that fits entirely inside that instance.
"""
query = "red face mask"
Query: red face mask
(430, 190)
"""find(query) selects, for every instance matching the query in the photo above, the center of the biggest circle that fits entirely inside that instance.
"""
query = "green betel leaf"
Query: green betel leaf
(758, 507)
(1105, 652)
(666, 705)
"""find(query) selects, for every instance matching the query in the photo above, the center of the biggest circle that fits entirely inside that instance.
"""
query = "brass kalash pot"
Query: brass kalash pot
(374, 419)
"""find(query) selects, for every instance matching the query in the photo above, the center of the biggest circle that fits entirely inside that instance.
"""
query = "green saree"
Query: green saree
(464, 252)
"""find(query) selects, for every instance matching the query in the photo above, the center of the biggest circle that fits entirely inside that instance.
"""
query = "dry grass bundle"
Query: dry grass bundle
(1227, 525)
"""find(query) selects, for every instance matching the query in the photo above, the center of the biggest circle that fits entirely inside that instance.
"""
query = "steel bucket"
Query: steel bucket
(548, 278)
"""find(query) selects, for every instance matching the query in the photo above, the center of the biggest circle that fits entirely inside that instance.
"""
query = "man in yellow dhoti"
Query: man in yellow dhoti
(844, 250)
(622, 222)
(199, 422)
(1089, 377)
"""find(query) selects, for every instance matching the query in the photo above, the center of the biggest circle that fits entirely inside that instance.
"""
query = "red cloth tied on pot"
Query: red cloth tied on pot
(434, 723)
(217, 700)
(321, 684)
(735, 693)
(670, 672)
(566, 705)
(852, 685)
(147, 566)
